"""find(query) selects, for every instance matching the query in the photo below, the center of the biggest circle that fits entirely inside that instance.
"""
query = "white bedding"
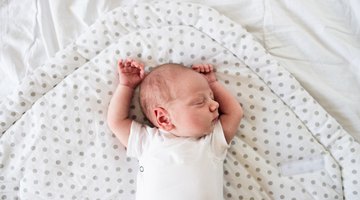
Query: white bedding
(317, 41)
(292, 41)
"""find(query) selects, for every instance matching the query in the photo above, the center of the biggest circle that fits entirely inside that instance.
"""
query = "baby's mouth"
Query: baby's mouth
(215, 119)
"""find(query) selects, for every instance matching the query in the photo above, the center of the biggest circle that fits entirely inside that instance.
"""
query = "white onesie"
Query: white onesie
(173, 168)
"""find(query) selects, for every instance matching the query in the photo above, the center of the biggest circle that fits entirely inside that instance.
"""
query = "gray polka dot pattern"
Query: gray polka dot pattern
(55, 143)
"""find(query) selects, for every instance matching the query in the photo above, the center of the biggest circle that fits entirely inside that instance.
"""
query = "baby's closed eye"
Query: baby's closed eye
(198, 101)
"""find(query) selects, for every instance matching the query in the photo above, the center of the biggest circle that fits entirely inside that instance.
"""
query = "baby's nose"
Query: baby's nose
(214, 105)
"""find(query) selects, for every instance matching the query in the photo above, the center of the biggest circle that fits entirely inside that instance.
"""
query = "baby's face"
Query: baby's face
(194, 112)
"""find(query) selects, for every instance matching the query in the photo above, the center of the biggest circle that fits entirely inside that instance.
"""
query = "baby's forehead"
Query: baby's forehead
(170, 72)
(165, 70)
(192, 86)
(174, 76)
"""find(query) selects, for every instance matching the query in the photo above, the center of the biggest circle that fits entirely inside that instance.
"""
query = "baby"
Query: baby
(195, 119)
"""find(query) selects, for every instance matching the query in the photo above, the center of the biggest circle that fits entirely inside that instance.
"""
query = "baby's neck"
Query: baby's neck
(174, 134)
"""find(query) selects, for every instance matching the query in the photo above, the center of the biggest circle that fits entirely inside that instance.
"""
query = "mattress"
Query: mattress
(55, 143)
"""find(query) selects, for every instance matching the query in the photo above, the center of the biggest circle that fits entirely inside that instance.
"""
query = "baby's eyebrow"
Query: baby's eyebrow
(201, 95)
(198, 97)
(211, 94)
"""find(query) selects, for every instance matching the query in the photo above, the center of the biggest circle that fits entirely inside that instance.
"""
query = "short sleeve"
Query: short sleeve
(139, 139)
(218, 141)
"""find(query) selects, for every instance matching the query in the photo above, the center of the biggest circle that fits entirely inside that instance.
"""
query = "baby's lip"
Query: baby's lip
(216, 118)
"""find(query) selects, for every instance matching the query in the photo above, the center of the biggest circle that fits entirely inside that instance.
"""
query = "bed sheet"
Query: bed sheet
(319, 46)
(318, 42)
(53, 148)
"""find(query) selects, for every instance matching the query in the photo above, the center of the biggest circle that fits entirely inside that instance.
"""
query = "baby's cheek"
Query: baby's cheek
(191, 121)
(198, 122)
(196, 118)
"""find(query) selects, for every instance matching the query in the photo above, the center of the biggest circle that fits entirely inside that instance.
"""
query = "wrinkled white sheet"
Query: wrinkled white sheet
(56, 144)
(317, 41)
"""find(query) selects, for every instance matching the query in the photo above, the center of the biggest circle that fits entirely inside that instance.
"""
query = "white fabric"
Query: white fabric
(316, 41)
(177, 168)
(55, 142)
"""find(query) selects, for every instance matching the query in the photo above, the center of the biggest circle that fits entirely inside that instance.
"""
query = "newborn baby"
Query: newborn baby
(194, 119)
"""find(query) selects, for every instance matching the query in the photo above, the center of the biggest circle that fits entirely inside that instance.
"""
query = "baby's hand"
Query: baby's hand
(207, 70)
(131, 72)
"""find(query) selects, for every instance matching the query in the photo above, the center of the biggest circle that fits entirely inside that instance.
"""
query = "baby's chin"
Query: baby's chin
(205, 133)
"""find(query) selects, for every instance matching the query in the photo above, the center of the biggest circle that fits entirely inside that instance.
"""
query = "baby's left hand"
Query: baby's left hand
(207, 70)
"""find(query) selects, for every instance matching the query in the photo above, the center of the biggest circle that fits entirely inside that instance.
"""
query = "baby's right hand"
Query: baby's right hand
(131, 72)
(207, 70)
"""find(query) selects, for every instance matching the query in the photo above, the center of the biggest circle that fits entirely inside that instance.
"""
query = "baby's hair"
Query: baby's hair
(156, 90)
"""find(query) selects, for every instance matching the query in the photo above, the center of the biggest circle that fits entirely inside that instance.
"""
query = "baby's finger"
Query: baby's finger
(141, 67)
(142, 74)
(128, 62)
(209, 68)
(120, 65)
(206, 68)
(137, 65)
(195, 67)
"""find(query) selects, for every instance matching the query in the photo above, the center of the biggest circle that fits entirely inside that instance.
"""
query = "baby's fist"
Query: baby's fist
(131, 72)
(207, 70)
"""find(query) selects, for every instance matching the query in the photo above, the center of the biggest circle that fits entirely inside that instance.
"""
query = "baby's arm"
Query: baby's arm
(230, 110)
(131, 74)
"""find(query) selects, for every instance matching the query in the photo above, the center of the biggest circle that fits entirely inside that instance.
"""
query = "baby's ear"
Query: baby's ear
(163, 119)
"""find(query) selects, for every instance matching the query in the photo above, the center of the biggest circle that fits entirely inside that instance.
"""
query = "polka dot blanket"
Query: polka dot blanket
(55, 143)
